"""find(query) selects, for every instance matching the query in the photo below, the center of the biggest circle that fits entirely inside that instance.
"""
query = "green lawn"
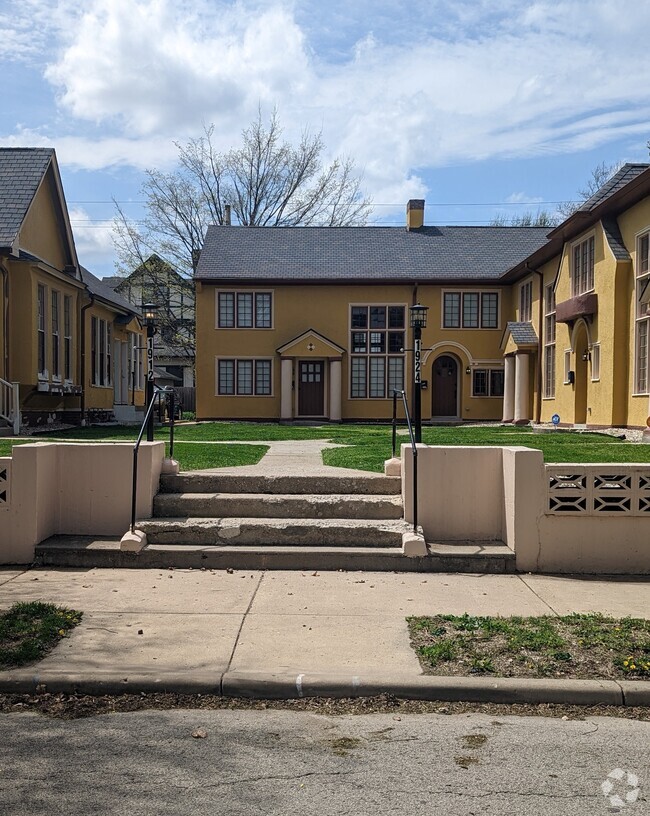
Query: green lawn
(29, 630)
(368, 445)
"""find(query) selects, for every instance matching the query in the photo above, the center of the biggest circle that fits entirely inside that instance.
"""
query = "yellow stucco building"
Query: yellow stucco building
(523, 323)
(64, 337)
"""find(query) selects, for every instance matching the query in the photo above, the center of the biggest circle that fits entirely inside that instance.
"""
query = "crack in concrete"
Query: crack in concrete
(280, 778)
(538, 596)
(241, 626)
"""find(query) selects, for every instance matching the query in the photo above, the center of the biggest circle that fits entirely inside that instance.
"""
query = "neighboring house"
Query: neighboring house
(113, 355)
(155, 281)
(313, 322)
(45, 347)
(578, 344)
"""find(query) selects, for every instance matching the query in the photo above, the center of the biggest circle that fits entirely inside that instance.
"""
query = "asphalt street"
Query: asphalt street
(279, 762)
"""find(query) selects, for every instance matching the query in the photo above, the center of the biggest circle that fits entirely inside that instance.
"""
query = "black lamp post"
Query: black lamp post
(149, 313)
(418, 322)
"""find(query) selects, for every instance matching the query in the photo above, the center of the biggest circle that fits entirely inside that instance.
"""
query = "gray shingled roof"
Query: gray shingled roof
(624, 176)
(364, 253)
(522, 333)
(21, 171)
(615, 239)
(99, 288)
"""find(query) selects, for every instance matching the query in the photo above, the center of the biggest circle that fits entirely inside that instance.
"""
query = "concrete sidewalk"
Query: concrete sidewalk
(241, 631)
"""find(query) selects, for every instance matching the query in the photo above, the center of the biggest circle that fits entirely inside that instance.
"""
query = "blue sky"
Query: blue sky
(482, 107)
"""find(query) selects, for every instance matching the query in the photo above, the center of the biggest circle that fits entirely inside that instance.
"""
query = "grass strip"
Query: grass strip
(28, 631)
(579, 646)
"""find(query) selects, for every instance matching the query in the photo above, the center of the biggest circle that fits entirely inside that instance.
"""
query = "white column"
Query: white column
(521, 388)
(286, 391)
(509, 390)
(335, 390)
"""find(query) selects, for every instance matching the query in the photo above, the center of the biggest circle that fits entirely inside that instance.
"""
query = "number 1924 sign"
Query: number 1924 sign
(417, 354)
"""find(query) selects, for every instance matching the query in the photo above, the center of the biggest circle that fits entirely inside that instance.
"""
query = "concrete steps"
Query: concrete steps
(87, 552)
(296, 485)
(277, 505)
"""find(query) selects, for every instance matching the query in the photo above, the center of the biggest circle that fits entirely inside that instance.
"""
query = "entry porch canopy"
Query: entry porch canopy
(519, 342)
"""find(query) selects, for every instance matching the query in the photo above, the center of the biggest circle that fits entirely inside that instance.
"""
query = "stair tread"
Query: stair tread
(282, 496)
(232, 521)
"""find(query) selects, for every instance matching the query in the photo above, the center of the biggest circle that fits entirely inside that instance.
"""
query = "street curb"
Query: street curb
(290, 686)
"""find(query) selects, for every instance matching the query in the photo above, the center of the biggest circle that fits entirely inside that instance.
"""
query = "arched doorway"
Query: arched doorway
(444, 387)
(581, 372)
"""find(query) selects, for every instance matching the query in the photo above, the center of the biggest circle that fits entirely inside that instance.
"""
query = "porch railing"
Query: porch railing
(414, 448)
(158, 395)
(10, 404)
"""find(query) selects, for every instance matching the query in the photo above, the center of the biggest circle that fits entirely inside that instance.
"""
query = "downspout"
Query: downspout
(5, 319)
(540, 324)
(83, 354)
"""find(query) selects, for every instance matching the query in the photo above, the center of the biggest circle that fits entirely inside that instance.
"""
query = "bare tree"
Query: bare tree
(542, 218)
(267, 181)
(599, 175)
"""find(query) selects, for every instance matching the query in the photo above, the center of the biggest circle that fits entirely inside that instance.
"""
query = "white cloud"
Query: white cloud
(523, 198)
(443, 82)
(93, 239)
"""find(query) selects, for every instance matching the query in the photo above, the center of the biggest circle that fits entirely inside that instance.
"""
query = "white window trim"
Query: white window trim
(595, 353)
(465, 290)
(527, 282)
(549, 344)
(236, 291)
(566, 361)
(236, 358)
(638, 319)
(489, 370)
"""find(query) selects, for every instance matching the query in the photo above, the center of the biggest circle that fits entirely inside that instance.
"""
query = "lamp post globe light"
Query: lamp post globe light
(149, 313)
(418, 314)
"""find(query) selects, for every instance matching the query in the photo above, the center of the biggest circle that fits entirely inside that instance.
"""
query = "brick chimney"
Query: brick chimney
(226, 216)
(415, 214)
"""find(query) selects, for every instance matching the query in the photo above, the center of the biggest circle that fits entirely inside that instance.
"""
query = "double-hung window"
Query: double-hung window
(67, 337)
(526, 302)
(244, 310)
(582, 267)
(100, 355)
(642, 322)
(41, 301)
(470, 310)
(377, 346)
(56, 339)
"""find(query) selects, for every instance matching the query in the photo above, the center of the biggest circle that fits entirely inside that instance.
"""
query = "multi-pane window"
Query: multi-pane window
(470, 310)
(641, 378)
(377, 344)
(244, 310)
(595, 361)
(487, 382)
(582, 270)
(56, 340)
(549, 342)
(244, 378)
(526, 302)
(41, 300)
(567, 366)
(67, 337)
(100, 339)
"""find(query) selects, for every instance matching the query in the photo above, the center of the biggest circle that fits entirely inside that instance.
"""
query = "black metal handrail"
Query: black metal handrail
(414, 448)
(158, 394)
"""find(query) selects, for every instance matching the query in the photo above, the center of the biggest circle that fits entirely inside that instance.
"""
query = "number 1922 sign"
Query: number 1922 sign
(417, 353)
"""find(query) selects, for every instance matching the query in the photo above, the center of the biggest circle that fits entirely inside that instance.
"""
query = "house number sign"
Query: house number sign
(150, 358)
(418, 361)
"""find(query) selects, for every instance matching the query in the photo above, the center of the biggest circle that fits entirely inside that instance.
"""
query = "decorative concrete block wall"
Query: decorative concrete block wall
(569, 518)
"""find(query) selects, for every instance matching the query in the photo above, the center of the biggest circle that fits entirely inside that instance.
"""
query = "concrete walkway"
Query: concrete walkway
(203, 629)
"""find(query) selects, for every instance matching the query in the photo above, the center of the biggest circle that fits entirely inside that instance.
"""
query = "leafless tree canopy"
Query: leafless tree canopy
(599, 175)
(267, 181)
(542, 218)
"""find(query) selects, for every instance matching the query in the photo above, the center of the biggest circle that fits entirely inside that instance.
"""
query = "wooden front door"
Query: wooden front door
(444, 387)
(311, 388)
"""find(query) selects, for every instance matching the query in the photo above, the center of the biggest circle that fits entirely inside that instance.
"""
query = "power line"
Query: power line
(400, 204)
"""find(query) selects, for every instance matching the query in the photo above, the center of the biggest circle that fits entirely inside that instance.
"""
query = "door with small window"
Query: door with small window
(311, 387)
(444, 399)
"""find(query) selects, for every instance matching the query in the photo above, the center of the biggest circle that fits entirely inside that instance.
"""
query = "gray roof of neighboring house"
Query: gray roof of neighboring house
(615, 239)
(616, 182)
(315, 254)
(21, 172)
(98, 287)
(522, 333)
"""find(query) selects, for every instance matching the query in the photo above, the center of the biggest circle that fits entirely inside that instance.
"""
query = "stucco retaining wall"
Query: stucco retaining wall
(484, 494)
(71, 488)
